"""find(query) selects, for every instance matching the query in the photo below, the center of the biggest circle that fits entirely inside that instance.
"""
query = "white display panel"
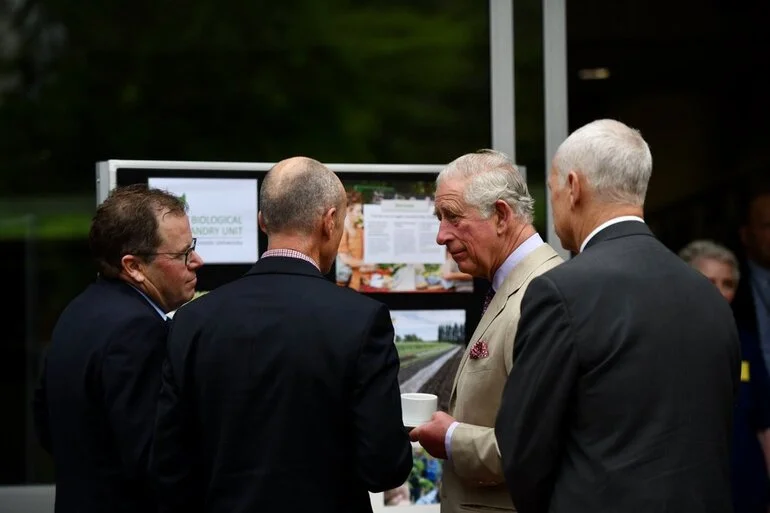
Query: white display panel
(389, 242)
(401, 231)
(223, 216)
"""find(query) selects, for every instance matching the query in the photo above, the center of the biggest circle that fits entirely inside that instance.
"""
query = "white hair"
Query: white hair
(491, 176)
(709, 250)
(614, 159)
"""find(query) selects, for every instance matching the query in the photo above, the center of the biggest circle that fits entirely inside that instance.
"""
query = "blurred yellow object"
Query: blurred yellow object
(745, 375)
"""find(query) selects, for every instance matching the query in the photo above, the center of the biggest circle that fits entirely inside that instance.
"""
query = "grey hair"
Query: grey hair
(294, 203)
(710, 250)
(491, 176)
(614, 159)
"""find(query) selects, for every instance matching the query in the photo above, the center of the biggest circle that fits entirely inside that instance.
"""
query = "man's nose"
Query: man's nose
(442, 237)
(195, 260)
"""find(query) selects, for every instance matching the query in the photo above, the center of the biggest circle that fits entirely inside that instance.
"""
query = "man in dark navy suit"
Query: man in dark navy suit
(280, 391)
(626, 360)
(752, 300)
(95, 407)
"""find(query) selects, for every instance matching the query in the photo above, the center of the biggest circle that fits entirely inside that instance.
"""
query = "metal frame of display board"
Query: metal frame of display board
(107, 170)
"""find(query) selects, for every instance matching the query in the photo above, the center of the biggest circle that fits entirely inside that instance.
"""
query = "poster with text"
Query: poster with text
(389, 241)
(223, 216)
(430, 346)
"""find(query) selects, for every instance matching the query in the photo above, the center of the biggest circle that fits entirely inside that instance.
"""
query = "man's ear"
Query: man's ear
(329, 223)
(504, 214)
(133, 267)
(575, 188)
(261, 221)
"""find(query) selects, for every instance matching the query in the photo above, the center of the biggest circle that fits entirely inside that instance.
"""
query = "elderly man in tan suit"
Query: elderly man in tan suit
(485, 211)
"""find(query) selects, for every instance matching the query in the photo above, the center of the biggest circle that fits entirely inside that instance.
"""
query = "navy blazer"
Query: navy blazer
(95, 407)
(752, 415)
(280, 394)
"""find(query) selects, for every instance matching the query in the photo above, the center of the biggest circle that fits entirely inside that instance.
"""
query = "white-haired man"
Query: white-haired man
(626, 359)
(485, 211)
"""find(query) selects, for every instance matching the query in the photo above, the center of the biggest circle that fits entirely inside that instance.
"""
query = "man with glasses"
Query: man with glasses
(95, 407)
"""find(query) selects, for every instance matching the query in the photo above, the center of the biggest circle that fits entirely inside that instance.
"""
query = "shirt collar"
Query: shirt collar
(155, 306)
(290, 253)
(524, 249)
(614, 220)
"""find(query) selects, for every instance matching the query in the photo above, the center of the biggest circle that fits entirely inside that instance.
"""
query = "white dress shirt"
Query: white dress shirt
(614, 220)
(155, 306)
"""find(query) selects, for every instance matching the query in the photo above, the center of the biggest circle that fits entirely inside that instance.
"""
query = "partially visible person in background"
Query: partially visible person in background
(752, 299)
(95, 407)
(751, 428)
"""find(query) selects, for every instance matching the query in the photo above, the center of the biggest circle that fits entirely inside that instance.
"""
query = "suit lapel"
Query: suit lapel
(512, 283)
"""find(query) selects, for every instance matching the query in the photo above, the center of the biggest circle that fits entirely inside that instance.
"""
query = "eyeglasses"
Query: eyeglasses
(186, 253)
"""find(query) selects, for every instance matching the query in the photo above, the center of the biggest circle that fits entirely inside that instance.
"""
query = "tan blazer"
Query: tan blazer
(473, 476)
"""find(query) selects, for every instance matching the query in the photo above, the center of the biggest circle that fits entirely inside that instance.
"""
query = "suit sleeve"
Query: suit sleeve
(131, 379)
(383, 453)
(174, 462)
(531, 424)
(40, 413)
(475, 455)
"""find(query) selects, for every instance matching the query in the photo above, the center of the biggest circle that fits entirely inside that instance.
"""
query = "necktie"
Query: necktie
(487, 299)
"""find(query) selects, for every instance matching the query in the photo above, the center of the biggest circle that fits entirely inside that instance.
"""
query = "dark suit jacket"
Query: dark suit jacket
(280, 394)
(752, 415)
(743, 305)
(620, 399)
(95, 407)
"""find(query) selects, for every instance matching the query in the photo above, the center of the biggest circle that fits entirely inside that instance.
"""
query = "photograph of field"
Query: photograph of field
(430, 344)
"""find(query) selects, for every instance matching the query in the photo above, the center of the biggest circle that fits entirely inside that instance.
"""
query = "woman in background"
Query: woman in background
(751, 427)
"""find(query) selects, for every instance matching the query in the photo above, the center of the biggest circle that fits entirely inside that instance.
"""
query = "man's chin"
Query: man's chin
(465, 267)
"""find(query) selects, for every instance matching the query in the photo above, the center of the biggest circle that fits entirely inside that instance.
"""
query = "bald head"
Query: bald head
(296, 193)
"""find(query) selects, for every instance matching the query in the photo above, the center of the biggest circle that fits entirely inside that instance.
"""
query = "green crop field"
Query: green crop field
(410, 352)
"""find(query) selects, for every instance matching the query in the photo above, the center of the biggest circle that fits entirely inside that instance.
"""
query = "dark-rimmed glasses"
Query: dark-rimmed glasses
(186, 253)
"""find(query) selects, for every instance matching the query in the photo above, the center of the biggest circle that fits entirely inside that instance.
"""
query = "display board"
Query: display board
(388, 252)
(223, 216)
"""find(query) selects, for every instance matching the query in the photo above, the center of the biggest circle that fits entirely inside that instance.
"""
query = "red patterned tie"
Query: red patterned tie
(487, 299)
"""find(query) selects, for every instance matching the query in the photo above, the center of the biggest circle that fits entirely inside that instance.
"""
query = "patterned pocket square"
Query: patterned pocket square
(479, 350)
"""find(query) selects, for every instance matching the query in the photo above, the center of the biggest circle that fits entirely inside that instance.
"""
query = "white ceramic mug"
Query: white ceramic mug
(417, 408)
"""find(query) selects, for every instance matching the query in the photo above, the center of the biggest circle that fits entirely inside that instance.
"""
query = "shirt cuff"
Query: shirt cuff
(448, 439)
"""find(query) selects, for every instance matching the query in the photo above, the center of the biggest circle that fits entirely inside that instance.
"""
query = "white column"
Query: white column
(555, 94)
(501, 70)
